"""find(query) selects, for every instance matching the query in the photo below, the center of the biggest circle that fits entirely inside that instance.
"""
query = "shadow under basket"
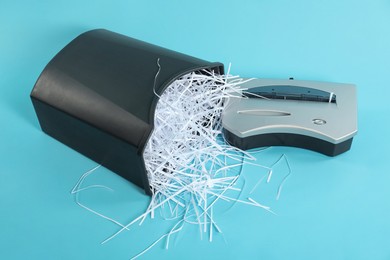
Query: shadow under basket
(97, 97)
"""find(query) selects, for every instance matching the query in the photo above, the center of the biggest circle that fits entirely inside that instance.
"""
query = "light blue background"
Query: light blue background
(330, 208)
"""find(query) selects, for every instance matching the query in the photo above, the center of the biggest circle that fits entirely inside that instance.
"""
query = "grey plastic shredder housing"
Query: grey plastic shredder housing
(96, 96)
(320, 116)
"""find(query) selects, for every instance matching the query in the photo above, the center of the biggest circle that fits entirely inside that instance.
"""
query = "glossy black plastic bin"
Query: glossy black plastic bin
(96, 96)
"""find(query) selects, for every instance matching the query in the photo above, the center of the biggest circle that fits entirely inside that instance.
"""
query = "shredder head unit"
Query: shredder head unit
(320, 116)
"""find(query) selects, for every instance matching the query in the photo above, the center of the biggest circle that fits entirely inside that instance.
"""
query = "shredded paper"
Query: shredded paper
(190, 166)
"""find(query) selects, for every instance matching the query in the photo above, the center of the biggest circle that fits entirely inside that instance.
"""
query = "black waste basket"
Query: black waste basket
(96, 96)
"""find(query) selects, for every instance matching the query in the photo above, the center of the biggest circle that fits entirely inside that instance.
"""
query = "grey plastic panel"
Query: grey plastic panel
(334, 121)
